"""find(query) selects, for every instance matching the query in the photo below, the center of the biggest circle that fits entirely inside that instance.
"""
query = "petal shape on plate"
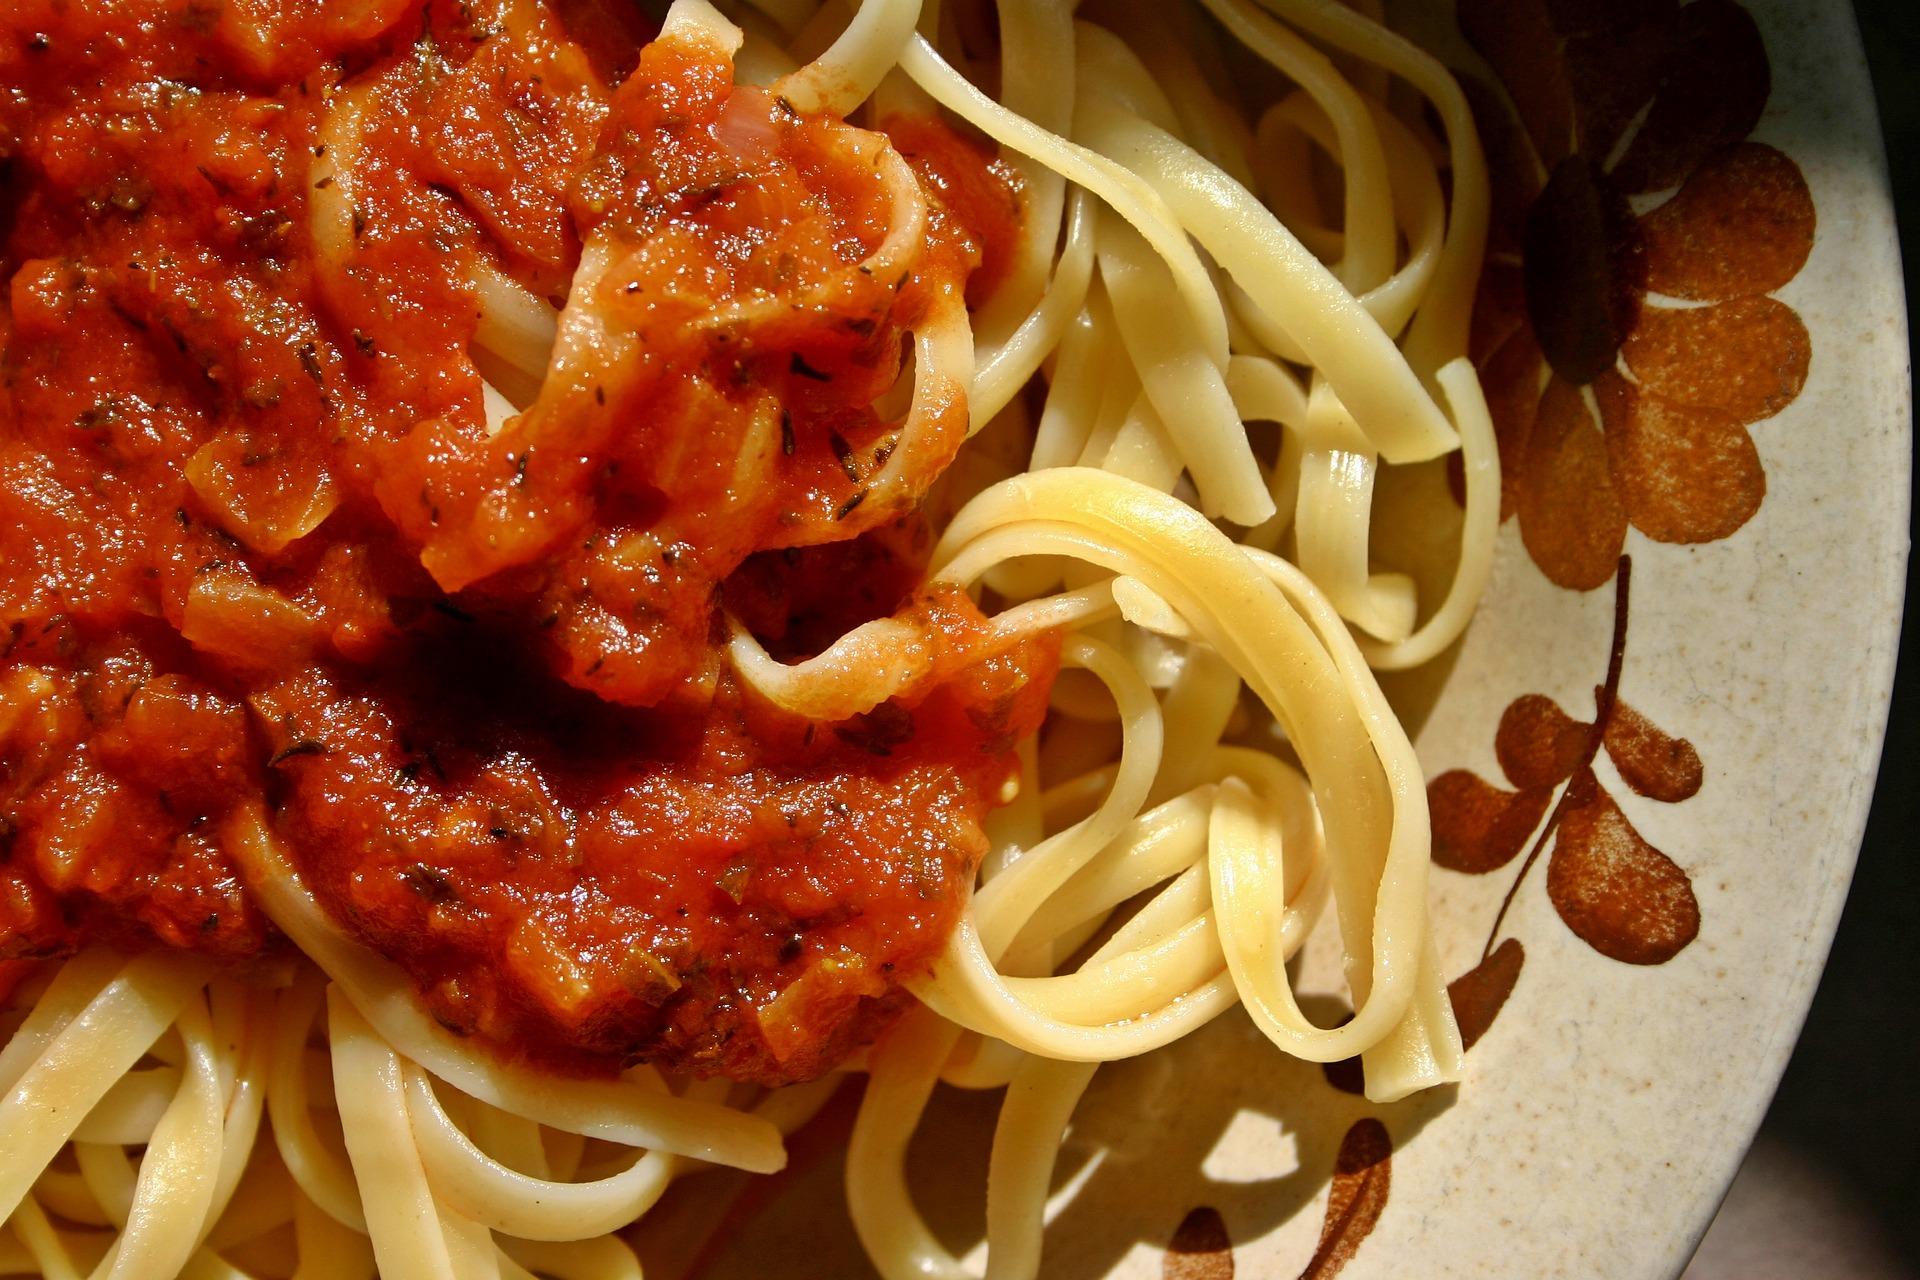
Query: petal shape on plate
(1747, 358)
(1511, 379)
(1713, 85)
(1521, 43)
(1615, 55)
(1686, 474)
(1512, 171)
(1578, 73)
(1499, 308)
(1742, 224)
(1571, 516)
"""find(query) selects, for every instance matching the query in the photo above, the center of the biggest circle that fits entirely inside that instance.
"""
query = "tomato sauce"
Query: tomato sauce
(397, 399)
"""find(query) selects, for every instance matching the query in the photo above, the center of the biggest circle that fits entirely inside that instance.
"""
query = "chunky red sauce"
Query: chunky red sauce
(261, 538)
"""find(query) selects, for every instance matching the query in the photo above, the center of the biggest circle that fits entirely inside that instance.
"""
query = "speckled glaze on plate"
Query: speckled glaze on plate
(1636, 916)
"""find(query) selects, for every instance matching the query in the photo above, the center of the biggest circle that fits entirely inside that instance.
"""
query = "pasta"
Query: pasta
(1182, 274)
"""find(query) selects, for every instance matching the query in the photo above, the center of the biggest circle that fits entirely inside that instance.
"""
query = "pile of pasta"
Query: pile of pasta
(1218, 328)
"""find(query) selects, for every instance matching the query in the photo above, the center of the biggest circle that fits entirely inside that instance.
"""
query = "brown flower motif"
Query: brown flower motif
(1618, 893)
(1609, 885)
(1626, 338)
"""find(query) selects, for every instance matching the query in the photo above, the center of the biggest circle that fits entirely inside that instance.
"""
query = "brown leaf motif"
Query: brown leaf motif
(1619, 894)
(1200, 1249)
(1612, 888)
(1537, 743)
(1481, 992)
(1477, 827)
(1362, 1177)
(1651, 761)
(1611, 101)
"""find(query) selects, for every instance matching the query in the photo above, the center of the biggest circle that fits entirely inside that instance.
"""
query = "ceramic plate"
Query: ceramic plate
(1694, 198)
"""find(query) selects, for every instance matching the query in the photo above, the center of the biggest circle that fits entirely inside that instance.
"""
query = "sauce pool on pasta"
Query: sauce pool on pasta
(470, 663)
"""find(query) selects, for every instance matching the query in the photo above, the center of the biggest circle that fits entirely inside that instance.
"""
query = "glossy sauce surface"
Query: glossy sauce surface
(296, 505)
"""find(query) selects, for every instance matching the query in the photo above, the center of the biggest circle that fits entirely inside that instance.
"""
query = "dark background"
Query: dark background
(1846, 1106)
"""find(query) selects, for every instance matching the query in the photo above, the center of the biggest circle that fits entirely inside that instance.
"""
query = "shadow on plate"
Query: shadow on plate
(1221, 1120)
